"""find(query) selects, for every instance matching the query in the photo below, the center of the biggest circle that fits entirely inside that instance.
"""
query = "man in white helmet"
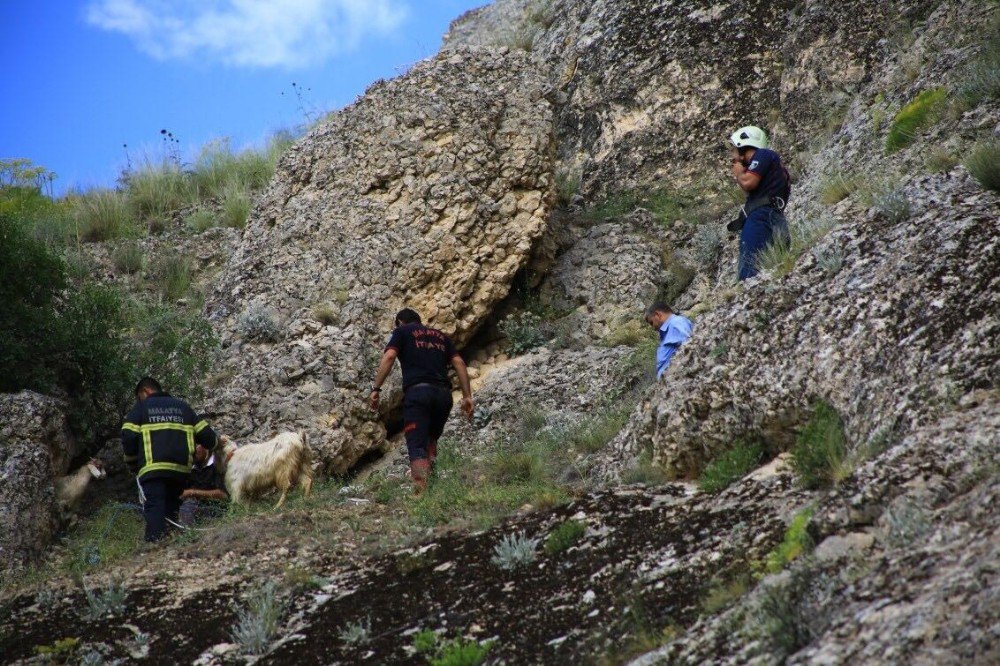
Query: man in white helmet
(759, 172)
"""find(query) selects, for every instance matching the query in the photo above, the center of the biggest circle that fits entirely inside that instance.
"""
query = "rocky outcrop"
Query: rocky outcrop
(430, 192)
(35, 446)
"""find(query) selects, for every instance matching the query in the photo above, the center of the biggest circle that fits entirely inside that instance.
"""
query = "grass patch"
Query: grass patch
(796, 542)
(158, 189)
(127, 258)
(984, 164)
(454, 652)
(924, 110)
(564, 536)
(779, 258)
(645, 471)
(567, 185)
(837, 186)
(940, 160)
(791, 614)
(110, 536)
(723, 594)
(236, 205)
(173, 276)
(982, 78)
(820, 448)
(628, 334)
(325, 313)
(666, 205)
(201, 220)
(102, 215)
(730, 466)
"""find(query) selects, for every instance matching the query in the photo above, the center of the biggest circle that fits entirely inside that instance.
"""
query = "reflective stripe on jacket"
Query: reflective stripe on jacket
(159, 435)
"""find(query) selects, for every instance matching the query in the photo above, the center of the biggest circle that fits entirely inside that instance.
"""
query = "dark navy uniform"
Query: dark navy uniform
(765, 220)
(158, 438)
(424, 354)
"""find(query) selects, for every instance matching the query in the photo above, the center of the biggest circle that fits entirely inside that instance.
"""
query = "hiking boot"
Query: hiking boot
(419, 470)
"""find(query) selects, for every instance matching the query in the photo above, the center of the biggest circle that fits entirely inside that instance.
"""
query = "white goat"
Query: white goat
(71, 488)
(280, 462)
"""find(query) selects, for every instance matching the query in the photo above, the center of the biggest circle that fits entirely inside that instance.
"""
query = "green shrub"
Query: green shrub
(645, 471)
(730, 466)
(507, 467)
(820, 448)
(514, 551)
(984, 164)
(258, 323)
(723, 594)
(790, 614)
(108, 600)
(218, 168)
(796, 542)
(628, 334)
(564, 536)
(103, 215)
(173, 275)
(425, 641)
(567, 185)
(201, 220)
(236, 205)
(913, 117)
(523, 331)
(176, 347)
(461, 652)
(127, 258)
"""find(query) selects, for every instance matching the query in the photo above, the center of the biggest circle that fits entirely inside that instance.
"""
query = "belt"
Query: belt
(431, 384)
(751, 206)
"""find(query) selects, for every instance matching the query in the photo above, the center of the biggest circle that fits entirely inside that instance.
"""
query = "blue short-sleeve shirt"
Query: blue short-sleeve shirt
(673, 333)
(773, 178)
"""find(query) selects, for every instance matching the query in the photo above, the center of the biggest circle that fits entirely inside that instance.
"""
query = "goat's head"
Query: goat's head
(96, 468)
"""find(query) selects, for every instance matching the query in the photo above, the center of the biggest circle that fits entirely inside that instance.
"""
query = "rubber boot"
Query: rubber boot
(419, 470)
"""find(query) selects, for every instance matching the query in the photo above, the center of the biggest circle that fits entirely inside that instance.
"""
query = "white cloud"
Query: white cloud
(247, 33)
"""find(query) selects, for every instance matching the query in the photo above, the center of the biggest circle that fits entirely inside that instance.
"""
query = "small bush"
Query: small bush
(830, 260)
(837, 186)
(730, 466)
(325, 314)
(567, 185)
(109, 600)
(790, 614)
(461, 652)
(513, 551)
(913, 117)
(707, 240)
(984, 164)
(564, 536)
(258, 323)
(796, 542)
(523, 332)
(173, 276)
(356, 633)
(236, 205)
(201, 220)
(257, 622)
(104, 215)
(820, 448)
(425, 641)
(629, 335)
(127, 258)
(645, 471)
(723, 594)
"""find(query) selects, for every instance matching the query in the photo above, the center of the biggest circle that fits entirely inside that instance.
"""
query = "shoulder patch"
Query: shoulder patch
(753, 165)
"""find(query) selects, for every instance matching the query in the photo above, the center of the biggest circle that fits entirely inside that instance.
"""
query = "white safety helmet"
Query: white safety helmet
(749, 137)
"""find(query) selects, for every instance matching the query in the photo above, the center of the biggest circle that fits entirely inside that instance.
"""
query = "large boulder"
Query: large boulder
(35, 446)
(430, 192)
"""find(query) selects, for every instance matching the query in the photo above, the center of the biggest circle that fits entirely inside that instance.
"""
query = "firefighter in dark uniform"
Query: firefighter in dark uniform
(159, 436)
(424, 354)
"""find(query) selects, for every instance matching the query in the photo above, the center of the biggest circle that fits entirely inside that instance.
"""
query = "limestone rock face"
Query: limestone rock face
(35, 446)
(430, 192)
(906, 326)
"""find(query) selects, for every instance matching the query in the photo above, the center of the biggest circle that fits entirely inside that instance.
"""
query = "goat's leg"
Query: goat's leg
(306, 481)
(281, 500)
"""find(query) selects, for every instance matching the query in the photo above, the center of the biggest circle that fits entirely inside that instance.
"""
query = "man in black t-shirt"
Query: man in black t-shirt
(424, 354)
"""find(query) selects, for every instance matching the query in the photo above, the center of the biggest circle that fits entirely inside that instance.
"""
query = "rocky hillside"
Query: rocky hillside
(813, 481)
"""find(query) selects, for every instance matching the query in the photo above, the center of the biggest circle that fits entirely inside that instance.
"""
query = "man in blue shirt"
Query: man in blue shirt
(674, 330)
(758, 172)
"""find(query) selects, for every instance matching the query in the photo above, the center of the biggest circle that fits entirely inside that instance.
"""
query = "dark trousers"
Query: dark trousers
(762, 227)
(425, 411)
(163, 500)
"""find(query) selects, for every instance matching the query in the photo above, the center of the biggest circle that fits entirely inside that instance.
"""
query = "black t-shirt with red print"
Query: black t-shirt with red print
(424, 354)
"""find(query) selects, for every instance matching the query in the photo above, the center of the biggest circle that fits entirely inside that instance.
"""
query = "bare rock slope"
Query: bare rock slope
(430, 191)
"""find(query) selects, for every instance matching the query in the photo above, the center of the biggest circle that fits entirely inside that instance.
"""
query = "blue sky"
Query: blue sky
(80, 78)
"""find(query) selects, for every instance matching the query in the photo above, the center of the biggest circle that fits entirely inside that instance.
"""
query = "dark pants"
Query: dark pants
(425, 411)
(163, 500)
(762, 227)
